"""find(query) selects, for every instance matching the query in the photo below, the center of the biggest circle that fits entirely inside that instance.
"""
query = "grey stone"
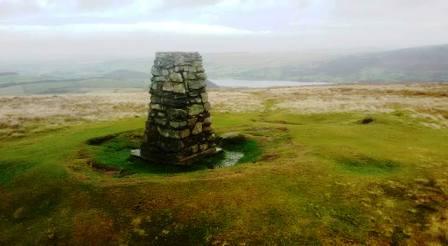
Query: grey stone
(195, 148)
(178, 129)
(204, 97)
(207, 129)
(192, 122)
(159, 79)
(208, 120)
(195, 100)
(203, 147)
(197, 128)
(198, 69)
(175, 77)
(184, 133)
(178, 124)
(156, 106)
(156, 71)
(201, 76)
(174, 87)
(195, 109)
(197, 63)
(171, 102)
(161, 121)
(196, 84)
(189, 76)
(155, 100)
(154, 85)
(211, 137)
(207, 106)
(177, 114)
(168, 133)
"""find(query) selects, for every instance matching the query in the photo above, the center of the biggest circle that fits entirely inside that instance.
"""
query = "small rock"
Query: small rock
(176, 77)
(197, 128)
(174, 87)
(178, 124)
(195, 109)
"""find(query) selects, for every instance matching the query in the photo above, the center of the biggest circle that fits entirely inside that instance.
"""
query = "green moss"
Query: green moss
(113, 153)
(250, 149)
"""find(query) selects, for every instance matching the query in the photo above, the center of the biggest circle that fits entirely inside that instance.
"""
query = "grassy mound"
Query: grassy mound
(112, 153)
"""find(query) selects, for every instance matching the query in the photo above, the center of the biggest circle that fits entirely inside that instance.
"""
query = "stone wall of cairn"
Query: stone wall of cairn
(178, 129)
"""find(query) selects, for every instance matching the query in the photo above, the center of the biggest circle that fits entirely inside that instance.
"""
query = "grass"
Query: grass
(8, 170)
(368, 166)
(313, 179)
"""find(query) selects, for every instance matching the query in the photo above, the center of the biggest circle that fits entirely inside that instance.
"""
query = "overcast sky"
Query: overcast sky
(43, 29)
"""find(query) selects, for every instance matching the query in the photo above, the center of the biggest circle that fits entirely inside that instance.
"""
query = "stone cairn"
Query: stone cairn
(178, 129)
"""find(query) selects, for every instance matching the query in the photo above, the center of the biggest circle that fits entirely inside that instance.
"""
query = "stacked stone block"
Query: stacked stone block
(178, 129)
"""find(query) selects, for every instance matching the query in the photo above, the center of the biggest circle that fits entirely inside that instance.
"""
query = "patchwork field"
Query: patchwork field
(342, 164)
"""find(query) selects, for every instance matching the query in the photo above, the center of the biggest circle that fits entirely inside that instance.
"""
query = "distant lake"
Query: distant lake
(261, 83)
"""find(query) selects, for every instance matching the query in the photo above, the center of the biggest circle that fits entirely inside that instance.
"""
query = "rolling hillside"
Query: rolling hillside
(52, 84)
(421, 64)
(413, 64)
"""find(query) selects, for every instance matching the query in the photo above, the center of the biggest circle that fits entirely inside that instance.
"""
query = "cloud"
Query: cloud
(160, 27)
(10, 8)
(189, 3)
(100, 5)
(89, 26)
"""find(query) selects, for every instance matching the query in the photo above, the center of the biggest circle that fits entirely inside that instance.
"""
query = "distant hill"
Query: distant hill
(112, 80)
(210, 84)
(413, 64)
(8, 74)
(126, 74)
(419, 64)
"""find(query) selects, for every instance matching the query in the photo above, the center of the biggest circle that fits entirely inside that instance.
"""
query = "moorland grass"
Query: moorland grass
(319, 179)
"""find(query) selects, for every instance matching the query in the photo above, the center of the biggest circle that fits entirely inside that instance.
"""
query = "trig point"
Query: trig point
(178, 129)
